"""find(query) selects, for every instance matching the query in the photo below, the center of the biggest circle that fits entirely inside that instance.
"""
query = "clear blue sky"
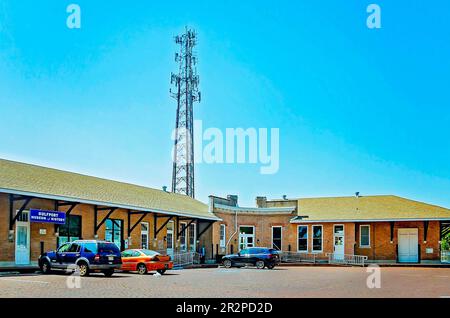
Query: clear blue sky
(358, 109)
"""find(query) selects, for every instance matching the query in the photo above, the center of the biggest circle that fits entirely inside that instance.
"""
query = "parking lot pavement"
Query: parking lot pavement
(244, 282)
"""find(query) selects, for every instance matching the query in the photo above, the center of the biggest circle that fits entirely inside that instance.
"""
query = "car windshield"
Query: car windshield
(149, 252)
(108, 248)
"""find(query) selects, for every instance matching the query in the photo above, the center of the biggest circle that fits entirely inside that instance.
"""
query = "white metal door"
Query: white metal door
(22, 245)
(408, 245)
(169, 238)
(339, 242)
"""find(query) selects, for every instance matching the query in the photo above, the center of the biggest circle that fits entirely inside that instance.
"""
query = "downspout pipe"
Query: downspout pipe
(235, 229)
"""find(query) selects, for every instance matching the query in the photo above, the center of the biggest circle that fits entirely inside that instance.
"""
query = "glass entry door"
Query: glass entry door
(277, 237)
(70, 231)
(246, 237)
(144, 235)
(114, 232)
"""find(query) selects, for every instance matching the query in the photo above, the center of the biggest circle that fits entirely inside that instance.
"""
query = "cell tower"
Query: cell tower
(186, 93)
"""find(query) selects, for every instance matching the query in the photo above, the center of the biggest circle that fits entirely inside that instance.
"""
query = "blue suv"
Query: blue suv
(88, 256)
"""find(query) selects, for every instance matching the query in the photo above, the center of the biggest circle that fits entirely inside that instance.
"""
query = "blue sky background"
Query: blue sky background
(358, 109)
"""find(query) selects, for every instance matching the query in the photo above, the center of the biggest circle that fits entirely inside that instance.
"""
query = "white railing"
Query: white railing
(445, 256)
(182, 259)
(346, 259)
(296, 257)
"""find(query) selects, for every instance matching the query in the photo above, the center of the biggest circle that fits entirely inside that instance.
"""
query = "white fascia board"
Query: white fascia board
(369, 220)
(273, 210)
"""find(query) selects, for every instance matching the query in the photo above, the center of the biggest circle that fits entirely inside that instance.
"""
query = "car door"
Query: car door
(58, 262)
(135, 259)
(72, 254)
(254, 255)
(242, 258)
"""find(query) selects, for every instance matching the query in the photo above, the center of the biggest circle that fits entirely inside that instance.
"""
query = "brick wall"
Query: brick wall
(263, 229)
(86, 212)
(382, 249)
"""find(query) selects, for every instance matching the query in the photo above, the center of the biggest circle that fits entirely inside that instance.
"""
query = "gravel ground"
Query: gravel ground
(236, 283)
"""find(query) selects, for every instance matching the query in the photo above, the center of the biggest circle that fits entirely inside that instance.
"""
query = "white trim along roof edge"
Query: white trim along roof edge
(274, 210)
(293, 220)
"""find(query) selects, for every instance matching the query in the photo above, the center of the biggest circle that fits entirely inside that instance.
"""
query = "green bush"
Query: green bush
(445, 244)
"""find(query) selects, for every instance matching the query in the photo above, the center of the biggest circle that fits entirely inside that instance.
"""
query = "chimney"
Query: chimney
(233, 199)
(261, 202)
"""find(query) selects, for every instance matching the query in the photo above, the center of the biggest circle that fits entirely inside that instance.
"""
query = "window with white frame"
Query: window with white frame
(222, 235)
(317, 238)
(192, 237)
(302, 234)
(364, 235)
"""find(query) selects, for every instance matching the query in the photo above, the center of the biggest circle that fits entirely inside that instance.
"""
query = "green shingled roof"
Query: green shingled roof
(16, 177)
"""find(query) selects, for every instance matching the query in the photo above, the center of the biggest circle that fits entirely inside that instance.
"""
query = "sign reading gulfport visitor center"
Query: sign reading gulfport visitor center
(47, 216)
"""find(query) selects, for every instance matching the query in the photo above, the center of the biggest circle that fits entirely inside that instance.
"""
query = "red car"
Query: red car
(143, 261)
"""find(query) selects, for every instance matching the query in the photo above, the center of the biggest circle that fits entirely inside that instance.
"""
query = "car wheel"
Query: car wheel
(142, 269)
(161, 271)
(271, 266)
(45, 267)
(83, 269)
(260, 264)
(108, 272)
(227, 263)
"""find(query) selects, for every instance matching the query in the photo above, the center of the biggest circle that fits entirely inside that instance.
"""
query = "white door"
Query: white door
(169, 238)
(144, 235)
(246, 237)
(22, 245)
(408, 245)
(339, 242)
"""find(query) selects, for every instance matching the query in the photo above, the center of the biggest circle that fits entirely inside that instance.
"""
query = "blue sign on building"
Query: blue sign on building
(43, 216)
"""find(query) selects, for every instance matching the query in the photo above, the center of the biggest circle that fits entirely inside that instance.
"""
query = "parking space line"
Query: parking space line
(24, 281)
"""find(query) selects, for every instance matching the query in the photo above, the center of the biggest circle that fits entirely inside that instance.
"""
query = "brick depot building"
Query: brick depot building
(384, 228)
(129, 215)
